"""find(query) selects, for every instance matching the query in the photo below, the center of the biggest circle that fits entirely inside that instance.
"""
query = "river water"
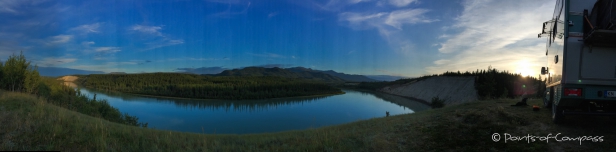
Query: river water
(257, 116)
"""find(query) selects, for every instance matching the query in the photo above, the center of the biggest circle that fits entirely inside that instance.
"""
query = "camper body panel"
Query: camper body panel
(574, 64)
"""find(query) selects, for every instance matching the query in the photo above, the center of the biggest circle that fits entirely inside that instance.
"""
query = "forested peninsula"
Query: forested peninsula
(206, 87)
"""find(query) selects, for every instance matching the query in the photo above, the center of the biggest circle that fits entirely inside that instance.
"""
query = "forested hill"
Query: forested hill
(279, 72)
(343, 76)
(207, 87)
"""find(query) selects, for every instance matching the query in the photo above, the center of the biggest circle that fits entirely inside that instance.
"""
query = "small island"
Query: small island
(207, 87)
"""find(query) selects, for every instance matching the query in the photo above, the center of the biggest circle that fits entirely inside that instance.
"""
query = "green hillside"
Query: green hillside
(207, 87)
(279, 72)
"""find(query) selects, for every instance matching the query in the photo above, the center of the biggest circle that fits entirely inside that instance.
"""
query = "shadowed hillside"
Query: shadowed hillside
(279, 72)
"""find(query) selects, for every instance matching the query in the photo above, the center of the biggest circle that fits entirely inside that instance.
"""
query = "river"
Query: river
(257, 116)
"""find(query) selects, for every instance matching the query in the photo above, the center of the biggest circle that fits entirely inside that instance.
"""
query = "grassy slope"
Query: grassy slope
(31, 124)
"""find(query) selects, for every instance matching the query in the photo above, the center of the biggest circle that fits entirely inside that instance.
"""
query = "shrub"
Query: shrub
(437, 102)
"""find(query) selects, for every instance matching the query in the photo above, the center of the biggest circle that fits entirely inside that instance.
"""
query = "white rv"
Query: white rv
(581, 58)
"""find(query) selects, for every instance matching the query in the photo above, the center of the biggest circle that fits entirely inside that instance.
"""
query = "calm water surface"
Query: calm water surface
(257, 116)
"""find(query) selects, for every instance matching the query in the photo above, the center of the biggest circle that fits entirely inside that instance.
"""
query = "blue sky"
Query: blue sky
(391, 37)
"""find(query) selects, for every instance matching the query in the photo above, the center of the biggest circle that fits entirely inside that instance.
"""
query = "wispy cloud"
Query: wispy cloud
(13, 6)
(233, 9)
(161, 39)
(163, 42)
(107, 49)
(195, 59)
(100, 52)
(388, 24)
(153, 30)
(267, 55)
(86, 28)
(385, 22)
(59, 39)
(270, 15)
(401, 3)
(87, 43)
(497, 33)
(47, 62)
(407, 16)
(8, 6)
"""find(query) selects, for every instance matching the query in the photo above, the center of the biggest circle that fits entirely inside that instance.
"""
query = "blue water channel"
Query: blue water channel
(257, 116)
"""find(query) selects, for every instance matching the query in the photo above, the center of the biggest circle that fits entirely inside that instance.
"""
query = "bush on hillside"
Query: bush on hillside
(437, 102)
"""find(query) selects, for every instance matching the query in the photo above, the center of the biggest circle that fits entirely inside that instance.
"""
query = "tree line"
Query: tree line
(206, 87)
(490, 83)
(17, 74)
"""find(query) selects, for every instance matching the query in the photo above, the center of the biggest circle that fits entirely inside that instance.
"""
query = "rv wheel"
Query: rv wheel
(557, 114)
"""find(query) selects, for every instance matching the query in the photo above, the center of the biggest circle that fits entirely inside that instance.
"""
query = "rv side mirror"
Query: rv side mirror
(543, 71)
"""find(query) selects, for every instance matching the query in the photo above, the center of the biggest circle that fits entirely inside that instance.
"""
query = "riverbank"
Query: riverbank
(71, 84)
(186, 86)
(32, 124)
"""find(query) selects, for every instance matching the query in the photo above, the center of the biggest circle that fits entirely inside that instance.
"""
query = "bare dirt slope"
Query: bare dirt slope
(68, 78)
(453, 89)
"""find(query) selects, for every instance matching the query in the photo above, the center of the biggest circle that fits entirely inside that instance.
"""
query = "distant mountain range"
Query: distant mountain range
(307, 73)
(56, 71)
(259, 71)
(385, 77)
(295, 72)
(345, 77)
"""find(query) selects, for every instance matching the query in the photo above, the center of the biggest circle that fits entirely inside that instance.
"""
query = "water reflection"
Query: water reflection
(414, 105)
(254, 105)
(212, 104)
(248, 105)
(257, 116)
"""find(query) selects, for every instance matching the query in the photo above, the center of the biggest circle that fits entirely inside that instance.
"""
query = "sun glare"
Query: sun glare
(523, 68)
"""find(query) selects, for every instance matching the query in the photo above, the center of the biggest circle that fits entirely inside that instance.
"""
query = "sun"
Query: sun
(523, 68)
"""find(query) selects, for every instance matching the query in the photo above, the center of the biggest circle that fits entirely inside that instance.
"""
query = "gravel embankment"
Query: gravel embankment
(453, 89)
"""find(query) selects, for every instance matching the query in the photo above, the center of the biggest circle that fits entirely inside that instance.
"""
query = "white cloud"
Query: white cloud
(497, 33)
(87, 43)
(107, 49)
(154, 30)
(8, 6)
(59, 39)
(86, 28)
(385, 22)
(440, 62)
(357, 1)
(163, 43)
(401, 3)
(408, 16)
(388, 24)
